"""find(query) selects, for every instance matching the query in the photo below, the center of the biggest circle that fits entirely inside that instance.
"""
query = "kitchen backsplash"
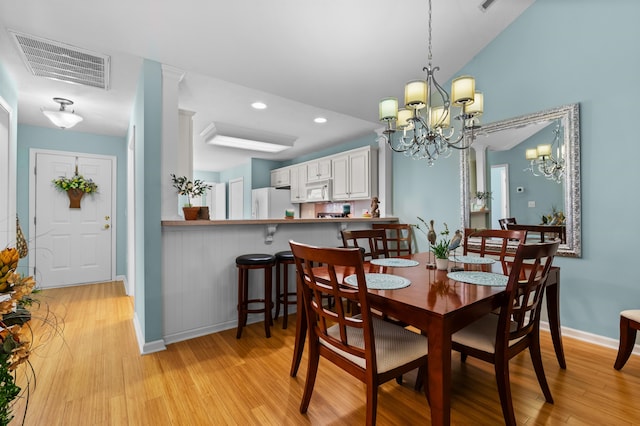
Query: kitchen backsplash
(311, 210)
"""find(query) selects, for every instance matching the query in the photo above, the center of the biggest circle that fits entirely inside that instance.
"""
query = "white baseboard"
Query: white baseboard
(589, 337)
(198, 332)
(146, 348)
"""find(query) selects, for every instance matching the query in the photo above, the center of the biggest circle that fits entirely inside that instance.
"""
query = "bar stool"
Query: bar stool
(244, 264)
(284, 259)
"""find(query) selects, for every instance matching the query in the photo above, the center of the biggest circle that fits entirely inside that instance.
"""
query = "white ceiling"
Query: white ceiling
(303, 58)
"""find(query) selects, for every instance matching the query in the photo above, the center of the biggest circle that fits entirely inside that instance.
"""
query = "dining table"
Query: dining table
(438, 306)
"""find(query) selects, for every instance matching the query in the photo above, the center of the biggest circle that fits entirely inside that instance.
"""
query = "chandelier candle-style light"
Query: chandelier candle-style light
(543, 163)
(424, 124)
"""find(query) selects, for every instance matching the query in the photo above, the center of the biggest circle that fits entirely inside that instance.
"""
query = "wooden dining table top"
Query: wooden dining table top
(430, 289)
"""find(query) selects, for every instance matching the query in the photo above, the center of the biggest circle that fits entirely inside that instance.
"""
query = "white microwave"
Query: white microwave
(318, 191)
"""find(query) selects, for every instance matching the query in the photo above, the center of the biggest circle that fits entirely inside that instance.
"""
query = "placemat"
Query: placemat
(395, 262)
(480, 278)
(380, 281)
(475, 260)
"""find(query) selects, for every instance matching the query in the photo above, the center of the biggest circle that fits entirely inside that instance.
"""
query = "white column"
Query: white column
(385, 173)
(176, 158)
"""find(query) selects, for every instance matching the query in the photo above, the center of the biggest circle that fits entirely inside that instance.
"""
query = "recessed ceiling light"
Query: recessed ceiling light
(320, 120)
(259, 105)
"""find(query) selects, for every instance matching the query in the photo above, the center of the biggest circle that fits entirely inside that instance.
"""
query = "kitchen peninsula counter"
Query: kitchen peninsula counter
(278, 221)
(199, 274)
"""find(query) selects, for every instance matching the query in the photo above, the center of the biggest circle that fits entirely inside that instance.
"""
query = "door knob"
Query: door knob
(107, 218)
(106, 226)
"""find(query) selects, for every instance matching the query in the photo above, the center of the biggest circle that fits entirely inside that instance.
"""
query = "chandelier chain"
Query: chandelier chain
(430, 51)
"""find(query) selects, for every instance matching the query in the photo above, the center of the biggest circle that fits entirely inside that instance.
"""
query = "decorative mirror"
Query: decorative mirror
(530, 166)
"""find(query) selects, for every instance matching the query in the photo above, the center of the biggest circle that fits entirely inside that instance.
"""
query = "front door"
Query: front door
(72, 246)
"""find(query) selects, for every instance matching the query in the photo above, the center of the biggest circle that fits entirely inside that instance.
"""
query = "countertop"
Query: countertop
(278, 221)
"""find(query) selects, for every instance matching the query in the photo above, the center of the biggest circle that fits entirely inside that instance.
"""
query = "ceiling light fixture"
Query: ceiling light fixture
(232, 136)
(62, 118)
(320, 120)
(543, 162)
(426, 119)
(259, 105)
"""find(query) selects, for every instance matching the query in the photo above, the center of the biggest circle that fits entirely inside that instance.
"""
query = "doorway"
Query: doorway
(236, 198)
(500, 193)
(71, 245)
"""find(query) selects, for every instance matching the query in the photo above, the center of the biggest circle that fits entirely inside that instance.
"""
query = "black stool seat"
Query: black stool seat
(284, 255)
(255, 259)
(245, 263)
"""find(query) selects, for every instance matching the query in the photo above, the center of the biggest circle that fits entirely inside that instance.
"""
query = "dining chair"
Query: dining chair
(375, 239)
(506, 221)
(399, 237)
(498, 338)
(370, 349)
(629, 325)
(498, 243)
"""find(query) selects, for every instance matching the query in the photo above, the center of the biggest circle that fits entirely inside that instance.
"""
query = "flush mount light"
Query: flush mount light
(320, 120)
(62, 118)
(259, 105)
(232, 136)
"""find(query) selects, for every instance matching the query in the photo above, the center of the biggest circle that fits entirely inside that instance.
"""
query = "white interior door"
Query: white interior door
(500, 194)
(236, 199)
(6, 219)
(73, 246)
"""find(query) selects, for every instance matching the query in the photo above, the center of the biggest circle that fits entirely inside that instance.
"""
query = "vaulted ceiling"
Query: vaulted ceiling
(304, 59)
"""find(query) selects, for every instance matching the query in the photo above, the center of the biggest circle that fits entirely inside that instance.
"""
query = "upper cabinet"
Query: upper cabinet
(298, 179)
(319, 170)
(280, 178)
(355, 174)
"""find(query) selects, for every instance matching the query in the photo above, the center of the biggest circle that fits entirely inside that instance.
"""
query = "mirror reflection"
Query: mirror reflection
(524, 173)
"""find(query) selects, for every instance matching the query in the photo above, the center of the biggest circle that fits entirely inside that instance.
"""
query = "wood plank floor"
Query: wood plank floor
(94, 375)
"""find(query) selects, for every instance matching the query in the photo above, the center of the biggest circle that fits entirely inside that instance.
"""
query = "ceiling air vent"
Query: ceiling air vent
(59, 61)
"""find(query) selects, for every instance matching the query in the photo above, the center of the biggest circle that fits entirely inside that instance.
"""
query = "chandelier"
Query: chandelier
(424, 125)
(543, 163)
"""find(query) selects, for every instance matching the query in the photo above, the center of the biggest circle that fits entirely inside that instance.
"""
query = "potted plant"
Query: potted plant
(481, 199)
(75, 187)
(191, 189)
(440, 249)
(441, 252)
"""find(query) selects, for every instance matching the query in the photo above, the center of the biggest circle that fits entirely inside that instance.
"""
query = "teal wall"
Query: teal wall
(356, 143)
(146, 119)
(30, 137)
(557, 53)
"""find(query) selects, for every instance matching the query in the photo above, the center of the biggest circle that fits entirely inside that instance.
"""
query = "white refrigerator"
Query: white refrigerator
(271, 203)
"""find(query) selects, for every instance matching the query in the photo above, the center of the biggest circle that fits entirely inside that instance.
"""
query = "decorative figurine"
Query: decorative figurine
(375, 211)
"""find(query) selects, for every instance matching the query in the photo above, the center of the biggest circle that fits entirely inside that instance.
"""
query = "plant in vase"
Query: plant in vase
(481, 199)
(75, 187)
(440, 249)
(191, 189)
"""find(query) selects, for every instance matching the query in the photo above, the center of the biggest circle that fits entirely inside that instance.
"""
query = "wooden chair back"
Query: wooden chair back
(320, 318)
(506, 221)
(498, 243)
(399, 237)
(520, 312)
(375, 239)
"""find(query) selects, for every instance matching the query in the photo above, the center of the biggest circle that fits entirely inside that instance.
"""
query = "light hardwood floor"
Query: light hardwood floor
(94, 375)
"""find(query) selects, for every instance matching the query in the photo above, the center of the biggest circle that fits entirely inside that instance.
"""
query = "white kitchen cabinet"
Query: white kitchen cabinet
(298, 179)
(280, 178)
(355, 174)
(319, 170)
